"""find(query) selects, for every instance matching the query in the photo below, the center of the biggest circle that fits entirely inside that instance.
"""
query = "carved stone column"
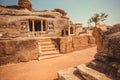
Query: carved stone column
(33, 29)
(68, 28)
(64, 32)
(41, 25)
(45, 25)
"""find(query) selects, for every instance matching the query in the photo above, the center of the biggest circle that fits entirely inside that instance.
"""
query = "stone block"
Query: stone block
(80, 42)
(91, 74)
(69, 74)
(66, 45)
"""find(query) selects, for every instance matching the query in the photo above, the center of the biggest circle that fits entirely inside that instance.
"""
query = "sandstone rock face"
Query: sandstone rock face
(14, 51)
(26, 4)
(107, 59)
(114, 45)
(114, 29)
(108, 42)
(98, 34)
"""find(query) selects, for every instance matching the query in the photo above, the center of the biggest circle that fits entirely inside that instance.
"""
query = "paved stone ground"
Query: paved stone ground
(45, 69)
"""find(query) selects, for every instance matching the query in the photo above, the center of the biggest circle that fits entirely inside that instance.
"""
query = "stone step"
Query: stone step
(49, 56)
(48, 49)
(44, 40)
(103, 67)
(47, 46)
(45, 43)
(69, 74)
(49, 53)
(91, 74)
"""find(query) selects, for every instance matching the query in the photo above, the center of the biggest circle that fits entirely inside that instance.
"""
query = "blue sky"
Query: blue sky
(79, 10)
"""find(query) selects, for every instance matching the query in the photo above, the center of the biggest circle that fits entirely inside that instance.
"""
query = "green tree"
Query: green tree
(97, 18)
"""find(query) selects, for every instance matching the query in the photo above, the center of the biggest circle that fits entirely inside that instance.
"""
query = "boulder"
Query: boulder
(25, 4)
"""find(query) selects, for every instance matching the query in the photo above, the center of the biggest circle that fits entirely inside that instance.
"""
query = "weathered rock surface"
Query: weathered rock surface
(14, 51)
(80, 42)
(108, 42)
(69, 74)
(19, 20)
(114, 29)
(25, 4)
(98, 34)
(81, 72)
(107, 58)
(91, 74)
(68, 44)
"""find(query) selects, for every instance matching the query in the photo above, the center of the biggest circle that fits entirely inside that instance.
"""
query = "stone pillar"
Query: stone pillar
(64, 32)
(33, 29)
(46, 25)
(68, 28)
(28, 28)
(41, 25)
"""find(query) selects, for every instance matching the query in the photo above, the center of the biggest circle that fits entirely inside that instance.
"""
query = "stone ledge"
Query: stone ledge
(91, 74)
(69, 74)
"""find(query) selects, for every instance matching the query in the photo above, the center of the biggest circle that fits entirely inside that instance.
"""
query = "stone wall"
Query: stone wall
(21, 28)
(59, 25)
(66, 45)
(80, 42)
(15, 50)
(15, 29)
(69, 44)
(18, 50)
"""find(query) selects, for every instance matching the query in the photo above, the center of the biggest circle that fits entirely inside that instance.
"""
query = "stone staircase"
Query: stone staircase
(82, 72)
(47, 48)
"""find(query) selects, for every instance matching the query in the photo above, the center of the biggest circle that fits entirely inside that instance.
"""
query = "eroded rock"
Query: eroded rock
(14, 51)
(25, 4)
(108, 51)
